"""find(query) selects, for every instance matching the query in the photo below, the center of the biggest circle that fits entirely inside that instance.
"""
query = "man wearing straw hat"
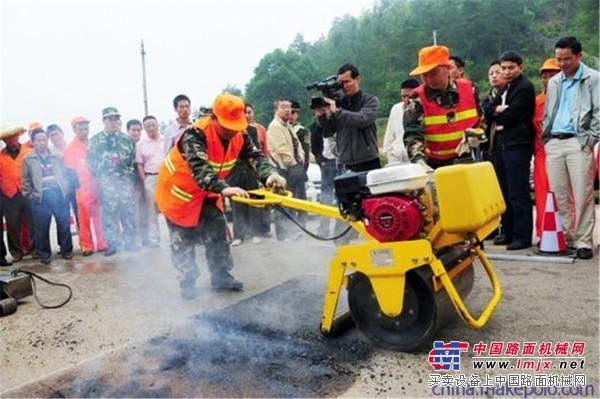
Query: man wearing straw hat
(14, 205)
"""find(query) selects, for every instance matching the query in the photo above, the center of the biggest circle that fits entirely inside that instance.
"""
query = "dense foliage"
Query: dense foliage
(384, 41)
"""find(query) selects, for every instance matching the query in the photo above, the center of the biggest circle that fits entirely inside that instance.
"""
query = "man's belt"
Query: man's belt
(150, 174)
(563, 136)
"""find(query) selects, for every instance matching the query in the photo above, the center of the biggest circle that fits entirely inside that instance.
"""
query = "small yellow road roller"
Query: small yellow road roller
(422, 235)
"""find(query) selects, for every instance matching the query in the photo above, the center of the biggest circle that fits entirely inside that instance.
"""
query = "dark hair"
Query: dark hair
(458, 61)
(35, 132)
(569, 42)
(133, 122)
(148, 117)
(178, 98)
(248, 105)
(410, 83)
(495, 62)
(512, 56)
(276, 103)
(52, 128)
(349, 67)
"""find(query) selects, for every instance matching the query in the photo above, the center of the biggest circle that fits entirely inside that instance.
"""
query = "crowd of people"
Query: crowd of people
(116, 183)
(558, 129)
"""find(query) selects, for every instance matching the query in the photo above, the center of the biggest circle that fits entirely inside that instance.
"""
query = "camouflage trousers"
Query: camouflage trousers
(211, 231)
(118, 211)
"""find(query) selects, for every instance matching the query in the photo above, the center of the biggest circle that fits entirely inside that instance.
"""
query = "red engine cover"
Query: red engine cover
(392, 218)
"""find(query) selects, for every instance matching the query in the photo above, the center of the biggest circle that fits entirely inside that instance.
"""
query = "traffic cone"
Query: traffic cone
(553, 237)
(73, 223)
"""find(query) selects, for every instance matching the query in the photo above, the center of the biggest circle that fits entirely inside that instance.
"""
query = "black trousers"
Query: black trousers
(53, 204)
(512, 165)
(3, 252)
(17, 212)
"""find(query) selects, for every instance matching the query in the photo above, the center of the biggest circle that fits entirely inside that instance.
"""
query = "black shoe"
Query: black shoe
(225, 281)
(188, 289)
(584, 253)
(46, 261)
(68, 256)
(501, 240)
(4, 262)
(110, 250)
(515, 245)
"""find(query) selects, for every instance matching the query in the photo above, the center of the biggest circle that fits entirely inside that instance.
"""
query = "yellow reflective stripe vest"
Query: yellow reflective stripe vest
(177, 195)
(444, 127)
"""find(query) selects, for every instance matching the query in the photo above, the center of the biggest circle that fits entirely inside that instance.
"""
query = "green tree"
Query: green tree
(280, 74)
(232, 89)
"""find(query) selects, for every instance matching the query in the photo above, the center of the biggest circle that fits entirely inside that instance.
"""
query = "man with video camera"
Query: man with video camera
(352, 121)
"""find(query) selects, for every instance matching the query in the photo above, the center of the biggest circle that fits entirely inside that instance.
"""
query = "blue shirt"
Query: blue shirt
(563, 122)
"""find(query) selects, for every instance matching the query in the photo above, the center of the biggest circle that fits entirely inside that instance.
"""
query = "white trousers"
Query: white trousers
(571, 173)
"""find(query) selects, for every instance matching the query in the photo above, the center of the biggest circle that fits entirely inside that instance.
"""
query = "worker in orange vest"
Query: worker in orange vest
(190, 187)
(438, 111)
(87, 195)
(15, 207)
(540, 177)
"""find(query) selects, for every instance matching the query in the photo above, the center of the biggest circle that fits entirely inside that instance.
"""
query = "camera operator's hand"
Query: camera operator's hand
(332, 106)
(320, 111)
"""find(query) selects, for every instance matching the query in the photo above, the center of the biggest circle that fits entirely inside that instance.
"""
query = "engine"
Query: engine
(385, 200)
(392, 218)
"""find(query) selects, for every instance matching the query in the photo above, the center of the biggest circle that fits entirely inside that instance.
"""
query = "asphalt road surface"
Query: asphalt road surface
(127, 332)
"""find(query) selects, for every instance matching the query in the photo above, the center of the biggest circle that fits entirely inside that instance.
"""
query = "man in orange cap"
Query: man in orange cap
(88, 196)
(540, 178)
(439, 110)
(190, 187)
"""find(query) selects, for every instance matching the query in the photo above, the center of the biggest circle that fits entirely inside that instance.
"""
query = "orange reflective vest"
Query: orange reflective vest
(177, 194)
(10, 171)
(444, 127)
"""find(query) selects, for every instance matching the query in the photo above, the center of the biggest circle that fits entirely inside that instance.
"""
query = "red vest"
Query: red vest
(10, 171)
(177, 195)
(444, 127)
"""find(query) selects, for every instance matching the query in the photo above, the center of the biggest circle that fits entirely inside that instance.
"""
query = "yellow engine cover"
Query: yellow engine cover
(469, 196)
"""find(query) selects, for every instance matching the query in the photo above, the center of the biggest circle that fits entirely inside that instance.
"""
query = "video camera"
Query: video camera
(330, 87)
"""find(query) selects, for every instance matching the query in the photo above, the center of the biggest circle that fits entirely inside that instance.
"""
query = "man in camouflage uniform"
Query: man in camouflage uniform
(111, 159)
(190, 187)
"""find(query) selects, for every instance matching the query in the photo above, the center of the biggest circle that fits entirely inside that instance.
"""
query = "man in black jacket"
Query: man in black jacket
(512, 111)
(352, 123)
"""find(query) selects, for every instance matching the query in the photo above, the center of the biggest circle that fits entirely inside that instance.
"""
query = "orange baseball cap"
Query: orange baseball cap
(431, 57)
(229, 110)
(79, 119)
(550, 65)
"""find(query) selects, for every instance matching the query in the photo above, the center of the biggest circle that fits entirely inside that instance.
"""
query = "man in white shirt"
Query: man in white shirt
(393, 141)
(148, 157)
(173, 132)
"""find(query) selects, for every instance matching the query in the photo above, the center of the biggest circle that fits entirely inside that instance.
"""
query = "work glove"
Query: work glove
(276, 183)
(473, 141)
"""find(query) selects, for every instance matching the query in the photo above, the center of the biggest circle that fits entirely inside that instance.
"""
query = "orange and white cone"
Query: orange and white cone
(73, 223)
(553, 240)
